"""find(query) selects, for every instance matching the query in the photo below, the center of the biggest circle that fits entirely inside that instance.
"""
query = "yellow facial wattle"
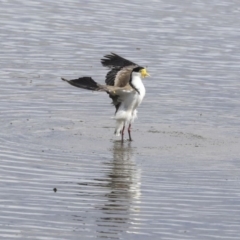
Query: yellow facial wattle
(144, 73)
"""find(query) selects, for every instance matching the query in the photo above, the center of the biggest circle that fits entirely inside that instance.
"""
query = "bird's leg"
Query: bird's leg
(123, 132)
(129, 132)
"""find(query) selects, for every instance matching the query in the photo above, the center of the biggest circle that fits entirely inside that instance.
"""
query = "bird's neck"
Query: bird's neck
(137, 85)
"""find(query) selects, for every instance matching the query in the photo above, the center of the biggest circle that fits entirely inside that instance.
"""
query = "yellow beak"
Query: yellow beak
(144, 73)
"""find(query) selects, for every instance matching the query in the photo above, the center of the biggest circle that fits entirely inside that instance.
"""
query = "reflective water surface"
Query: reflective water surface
(63, 173)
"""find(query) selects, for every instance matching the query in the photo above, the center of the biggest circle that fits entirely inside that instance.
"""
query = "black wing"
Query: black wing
(115, 61)
(85, 82)
(115, 101)
(116, 64)
(111, 76)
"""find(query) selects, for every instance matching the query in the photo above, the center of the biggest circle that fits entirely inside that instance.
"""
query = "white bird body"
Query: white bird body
(130, 101)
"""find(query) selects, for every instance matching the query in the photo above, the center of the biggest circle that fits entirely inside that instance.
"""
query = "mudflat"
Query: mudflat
(64, 175)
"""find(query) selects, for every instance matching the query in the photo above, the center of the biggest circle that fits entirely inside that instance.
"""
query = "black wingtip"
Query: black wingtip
(107, 59)
(85, 83)
(64, 79)
(113, 60)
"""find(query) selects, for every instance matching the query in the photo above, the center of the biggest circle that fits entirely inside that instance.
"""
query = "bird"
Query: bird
(123, 84)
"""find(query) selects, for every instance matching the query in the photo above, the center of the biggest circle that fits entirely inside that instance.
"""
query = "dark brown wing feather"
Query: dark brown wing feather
(111, 75)
(85, 83)
(113, 60)
(121, 69)
(118, 76)
(89, 84)
(115, 101)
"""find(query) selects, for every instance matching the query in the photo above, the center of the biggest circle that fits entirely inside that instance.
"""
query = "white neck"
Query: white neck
(137, 83)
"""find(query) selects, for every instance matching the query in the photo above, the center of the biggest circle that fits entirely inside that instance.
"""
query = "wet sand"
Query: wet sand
(76, 178)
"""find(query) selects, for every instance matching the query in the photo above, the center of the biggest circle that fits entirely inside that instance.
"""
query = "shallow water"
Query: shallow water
(178, 179)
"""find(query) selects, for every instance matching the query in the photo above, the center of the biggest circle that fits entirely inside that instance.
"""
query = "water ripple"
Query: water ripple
(62, 173)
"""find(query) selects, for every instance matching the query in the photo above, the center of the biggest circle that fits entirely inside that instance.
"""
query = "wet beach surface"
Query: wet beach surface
(63, 173)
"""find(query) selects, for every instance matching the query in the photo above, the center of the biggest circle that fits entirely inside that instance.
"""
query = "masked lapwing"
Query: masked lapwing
(123, 85)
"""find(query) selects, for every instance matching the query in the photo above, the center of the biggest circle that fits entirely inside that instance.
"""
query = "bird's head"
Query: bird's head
(142, 71)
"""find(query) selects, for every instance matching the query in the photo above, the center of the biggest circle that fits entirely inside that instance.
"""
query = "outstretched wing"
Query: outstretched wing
(115, 93)
(85, 83)
(120, 72)
(117, 79)
(113, 60)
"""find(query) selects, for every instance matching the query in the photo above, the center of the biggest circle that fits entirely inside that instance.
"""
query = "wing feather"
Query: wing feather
(120, 72)
(113, 60)
(117, 79)
(117, 94)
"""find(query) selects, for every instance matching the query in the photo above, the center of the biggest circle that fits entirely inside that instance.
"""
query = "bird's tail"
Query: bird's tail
(86, 83)
(119, 127)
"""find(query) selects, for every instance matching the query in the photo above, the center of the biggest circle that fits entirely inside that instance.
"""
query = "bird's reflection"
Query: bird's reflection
(124, 190)
(118, 192)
